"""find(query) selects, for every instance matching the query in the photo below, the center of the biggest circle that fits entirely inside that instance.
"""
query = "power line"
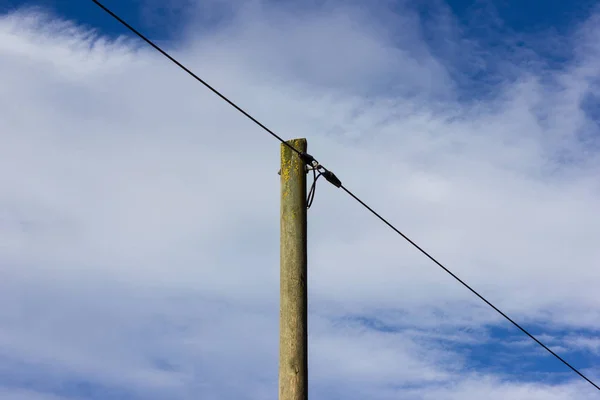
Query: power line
(202, 81)
(309, 160)
(467, 286)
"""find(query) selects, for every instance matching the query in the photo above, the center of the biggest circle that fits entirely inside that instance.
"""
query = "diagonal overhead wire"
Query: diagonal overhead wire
(385, 221)
(336, 182)
(183, 67)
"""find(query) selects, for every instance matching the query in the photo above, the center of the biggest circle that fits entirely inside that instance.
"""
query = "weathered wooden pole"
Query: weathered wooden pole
(293, 334)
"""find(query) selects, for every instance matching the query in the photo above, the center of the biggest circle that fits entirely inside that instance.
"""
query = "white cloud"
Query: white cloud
(139, 214)
(19, 394)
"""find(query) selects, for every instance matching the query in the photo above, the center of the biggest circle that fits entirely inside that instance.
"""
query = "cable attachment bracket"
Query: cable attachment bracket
(318, 170)
(307, 158)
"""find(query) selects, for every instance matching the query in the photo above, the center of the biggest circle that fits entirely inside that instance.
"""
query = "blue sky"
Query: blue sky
(492, 24)
(513, 16)
(140, 275)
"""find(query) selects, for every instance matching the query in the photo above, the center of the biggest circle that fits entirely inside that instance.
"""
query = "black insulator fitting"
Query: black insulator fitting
(306, 158)
(331, 178)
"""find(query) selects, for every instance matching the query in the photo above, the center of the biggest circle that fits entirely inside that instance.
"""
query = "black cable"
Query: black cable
(467, 286)
(313, 188)
(183, 67)
(330, 176)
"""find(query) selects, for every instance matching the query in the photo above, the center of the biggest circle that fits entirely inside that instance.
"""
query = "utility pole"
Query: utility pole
(293, 316)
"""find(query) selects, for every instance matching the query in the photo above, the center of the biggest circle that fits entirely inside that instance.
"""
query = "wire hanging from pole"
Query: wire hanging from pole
(313, 187)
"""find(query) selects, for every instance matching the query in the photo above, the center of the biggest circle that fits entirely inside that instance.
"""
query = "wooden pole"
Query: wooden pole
(293, 334)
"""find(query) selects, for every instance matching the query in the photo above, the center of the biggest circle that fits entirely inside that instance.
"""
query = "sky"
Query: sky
(139, 213)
